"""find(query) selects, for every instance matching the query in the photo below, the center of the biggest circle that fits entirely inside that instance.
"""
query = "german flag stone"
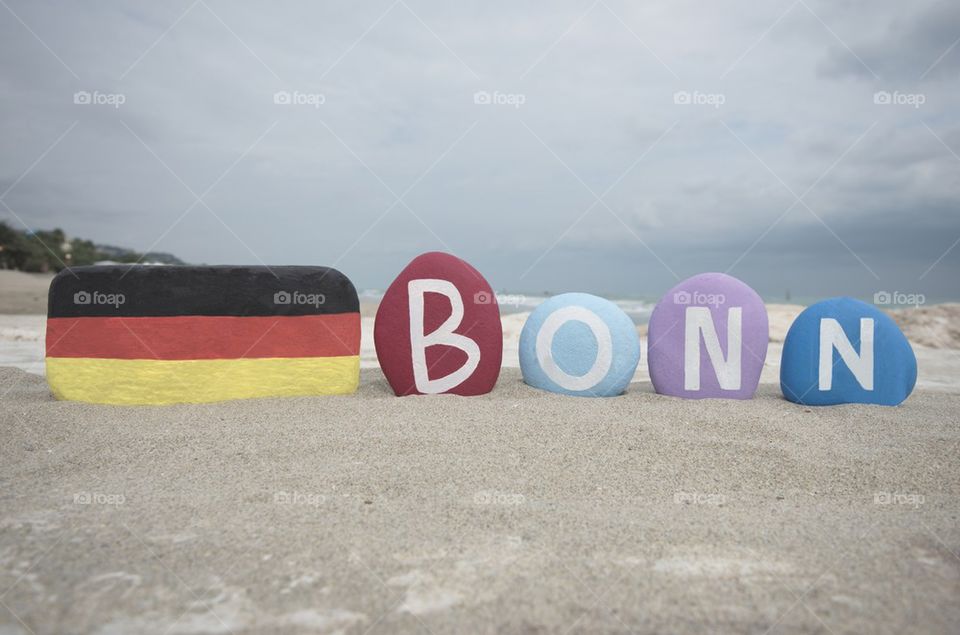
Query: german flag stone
(165, 334)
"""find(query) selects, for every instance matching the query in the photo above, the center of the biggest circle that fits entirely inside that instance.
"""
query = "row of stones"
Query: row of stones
(438, 330)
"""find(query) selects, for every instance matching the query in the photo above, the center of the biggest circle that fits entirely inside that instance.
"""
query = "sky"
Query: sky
(609, 147)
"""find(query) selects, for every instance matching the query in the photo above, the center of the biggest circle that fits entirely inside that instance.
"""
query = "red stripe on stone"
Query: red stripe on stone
(205, 337)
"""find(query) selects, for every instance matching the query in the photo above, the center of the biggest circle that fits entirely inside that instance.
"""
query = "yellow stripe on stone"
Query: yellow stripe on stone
(157, 382)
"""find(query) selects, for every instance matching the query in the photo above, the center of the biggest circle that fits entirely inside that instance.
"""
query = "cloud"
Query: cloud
(379, 147)
(911, 48)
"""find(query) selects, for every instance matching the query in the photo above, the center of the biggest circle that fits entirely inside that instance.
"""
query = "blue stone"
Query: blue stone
(579, 344)
(829, 356)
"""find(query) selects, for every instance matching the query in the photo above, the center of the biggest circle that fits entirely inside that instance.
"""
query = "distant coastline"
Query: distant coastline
(50, 251)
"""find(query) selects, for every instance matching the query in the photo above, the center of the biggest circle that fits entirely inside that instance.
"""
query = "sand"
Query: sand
(22, 293)
(935, 326)
(518, 511)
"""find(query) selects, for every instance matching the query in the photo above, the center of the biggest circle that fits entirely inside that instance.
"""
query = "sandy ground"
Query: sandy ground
(518, 511)
(23, 292)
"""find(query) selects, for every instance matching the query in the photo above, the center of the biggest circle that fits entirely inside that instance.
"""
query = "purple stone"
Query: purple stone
(708, 338)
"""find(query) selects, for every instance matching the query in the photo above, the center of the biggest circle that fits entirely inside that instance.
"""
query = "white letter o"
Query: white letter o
(601, 365)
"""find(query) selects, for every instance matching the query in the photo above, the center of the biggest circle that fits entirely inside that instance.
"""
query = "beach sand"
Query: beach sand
(518, 511)
(23, 293)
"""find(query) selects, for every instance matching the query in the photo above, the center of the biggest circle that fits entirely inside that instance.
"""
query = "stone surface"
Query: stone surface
(695, 348)
(843, 350)
(579, 344)
(438, 329)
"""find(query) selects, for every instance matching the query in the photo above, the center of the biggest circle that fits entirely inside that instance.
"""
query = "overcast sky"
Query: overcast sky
(616, 148)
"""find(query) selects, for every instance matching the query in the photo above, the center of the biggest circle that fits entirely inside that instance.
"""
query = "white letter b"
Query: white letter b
(420, 341)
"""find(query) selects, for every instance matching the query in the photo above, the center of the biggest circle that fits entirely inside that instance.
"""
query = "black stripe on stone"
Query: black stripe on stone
(166, 291)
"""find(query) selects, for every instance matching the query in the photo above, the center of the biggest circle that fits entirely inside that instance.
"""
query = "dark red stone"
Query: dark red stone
(480, 323)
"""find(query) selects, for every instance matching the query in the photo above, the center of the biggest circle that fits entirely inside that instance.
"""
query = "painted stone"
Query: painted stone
(579, 344)
(164, 334)
(708, 337)
(843, 350)
(438, 329)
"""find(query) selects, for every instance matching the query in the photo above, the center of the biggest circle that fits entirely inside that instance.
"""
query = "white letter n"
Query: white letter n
(698, 320)
(832, 336)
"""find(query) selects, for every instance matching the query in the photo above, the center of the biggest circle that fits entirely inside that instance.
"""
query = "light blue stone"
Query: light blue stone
(575, 361)
(892, 374)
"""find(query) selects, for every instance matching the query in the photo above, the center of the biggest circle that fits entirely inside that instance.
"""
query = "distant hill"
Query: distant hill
(52, 250)
(122, 254)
